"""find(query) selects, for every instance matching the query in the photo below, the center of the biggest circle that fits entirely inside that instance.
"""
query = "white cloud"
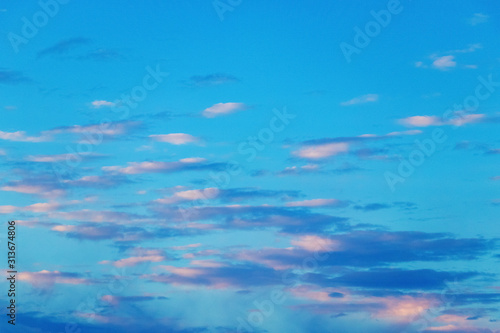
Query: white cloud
(101, 104)
(20, 136)
(361, 100)
(134, 168)
(460, 119)
(313, 243)
(175, 138)
(322, 150)
(190, 195)
(222, 109)
(444, 62)
(58, 158)
(478, 18)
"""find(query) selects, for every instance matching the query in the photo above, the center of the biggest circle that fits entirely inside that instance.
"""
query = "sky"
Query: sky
(251, 166)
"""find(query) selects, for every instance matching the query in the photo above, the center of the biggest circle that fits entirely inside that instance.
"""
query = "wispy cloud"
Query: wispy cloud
(328, 147)
(102, 55)
(444, 62)
(12, 77)
(175, 138)
(61, 157)
(221, 109)
(97, 104)
(369, 98)
(63, 46)
(318, 203)
(460, 119)
(212, 79)
(140, 256)
(185, 164)
(478, 18)
(21, 136)
(46, 279)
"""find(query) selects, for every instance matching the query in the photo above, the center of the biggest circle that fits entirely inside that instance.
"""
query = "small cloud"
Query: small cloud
(63, 46)
(322, 150)
(460, 119)
(10, 107)
(211, 79)
(361, 100)
(3, 152)
(444, 62)
(60, 157)
(102, 103)
(220, 109)
(317, 203)
(478, 18)
(102, 55)
(134, 168)
(175, 138)
(12, 77)
(20, 136)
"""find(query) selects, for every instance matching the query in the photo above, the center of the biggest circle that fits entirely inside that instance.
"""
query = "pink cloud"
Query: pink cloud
(314, 243)
(44, 278)
(222, 109)
(154, 167)
(361, 100)
(460, 119)
(190, 195)
(175, 138)
(322, 151)
(20, 136)
(316, 203)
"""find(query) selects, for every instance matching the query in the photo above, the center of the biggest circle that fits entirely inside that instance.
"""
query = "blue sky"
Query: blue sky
(251, 166)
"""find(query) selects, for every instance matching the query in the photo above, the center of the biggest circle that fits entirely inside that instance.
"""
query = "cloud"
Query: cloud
(221, 277)
(469, 49)
(369, 98)
(142, 256)
(107, 181)
(220, 109)
(444, 62)
(460, 119)
(386, 248)
(12, 77)
(20, 136)
(313, 243)
(63, 46)
(478, 18)
(211, 79)
(38, 187)
(185, 164)
(109, 129)
(322, 151)
(190, 195)
(328, 147)
(97, 104)
(175, 138)
(46, 279)
(318, 203)
(87, 215)
(299, 170)
(104, 231)
(43, 207)
(372, 207)
(102, 55)
(251, 193)
(62, 157)
(420, 279)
